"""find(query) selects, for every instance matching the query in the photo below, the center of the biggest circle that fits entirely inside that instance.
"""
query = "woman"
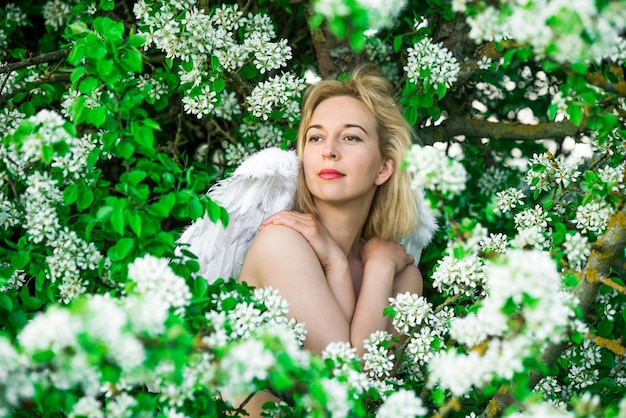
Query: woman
(334, 257)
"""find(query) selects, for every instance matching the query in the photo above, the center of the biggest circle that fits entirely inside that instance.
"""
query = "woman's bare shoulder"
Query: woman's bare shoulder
(275, 249)
(278, 236)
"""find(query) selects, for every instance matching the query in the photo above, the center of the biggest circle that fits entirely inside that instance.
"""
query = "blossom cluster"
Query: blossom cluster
(267, 95)
(545, 171)
(509, 199)
(431, 64)
(55, 13)
(463, 276)
(235, 39)
(432, 169)
(565, 31)
(44, 174)
(267, 307)
(11, 17)
(528, 280)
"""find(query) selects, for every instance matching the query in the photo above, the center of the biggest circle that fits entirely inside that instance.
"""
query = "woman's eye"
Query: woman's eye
(314, 138)
(352, 138)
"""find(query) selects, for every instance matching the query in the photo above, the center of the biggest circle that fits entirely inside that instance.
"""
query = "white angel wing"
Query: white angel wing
(415, 243)
(265, 183)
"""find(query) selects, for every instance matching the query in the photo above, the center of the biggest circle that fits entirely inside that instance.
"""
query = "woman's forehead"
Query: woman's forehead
(342, 110)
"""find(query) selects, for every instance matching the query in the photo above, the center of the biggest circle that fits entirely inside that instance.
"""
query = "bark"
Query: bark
(477, 128)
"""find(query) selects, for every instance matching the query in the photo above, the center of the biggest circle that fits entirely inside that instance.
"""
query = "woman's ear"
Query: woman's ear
(386, 170)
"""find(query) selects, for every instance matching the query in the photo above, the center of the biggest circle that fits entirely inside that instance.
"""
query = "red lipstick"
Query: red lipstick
(330, 174)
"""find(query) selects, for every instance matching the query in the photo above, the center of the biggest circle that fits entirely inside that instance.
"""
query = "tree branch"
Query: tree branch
(39, 59)
(606, 251)
(53, 78)
(478, 128)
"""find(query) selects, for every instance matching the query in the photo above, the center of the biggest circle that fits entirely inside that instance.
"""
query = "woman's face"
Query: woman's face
(341, 157)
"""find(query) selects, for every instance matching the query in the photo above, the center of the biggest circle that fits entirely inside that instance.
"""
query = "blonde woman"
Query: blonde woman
(334, 257)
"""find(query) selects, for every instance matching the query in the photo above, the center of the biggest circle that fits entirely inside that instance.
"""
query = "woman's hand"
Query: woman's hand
(327, 250)
(386, 253)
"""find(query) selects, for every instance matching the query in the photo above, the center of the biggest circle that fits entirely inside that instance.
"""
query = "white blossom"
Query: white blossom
(577, 248)
(410, 309)
(273, 93)
(431, 64)
(87, 407)
(545, 170)
(593, 217)
(55, 13)
(228, 107)
(509, 199)
(156, 280)
(495, 242)
(459, 276)
(243, 363)
(432, 169)
(401, 404)
(532, 217)
(339, 352)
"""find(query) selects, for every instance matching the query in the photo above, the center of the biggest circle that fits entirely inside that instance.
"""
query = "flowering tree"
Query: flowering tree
(116, 117)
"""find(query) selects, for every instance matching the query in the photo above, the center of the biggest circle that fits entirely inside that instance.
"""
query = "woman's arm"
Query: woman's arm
(388, 270)
(282, 258)
(333, 261)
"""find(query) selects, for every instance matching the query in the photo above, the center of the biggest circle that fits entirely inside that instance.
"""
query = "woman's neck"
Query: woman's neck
(345, 224)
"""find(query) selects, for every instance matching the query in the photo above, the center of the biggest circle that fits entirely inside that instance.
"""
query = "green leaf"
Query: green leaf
(136, 176)
(213, 210)
(249, 72)
(117, 220)
(575, 113)
(357, 40)
(85, 199)
(579, 67)
(136, 223)
(76, 55)
(135, 40)
(97, 116)
(441, 90)
(548, 204)
(110, 29)
(397, 43)
(47, 153)
(70, 193)
(6, 302)
(77, 74)
(107, 4)
(124, 246)
(410, 114)
(218, 85)
(125, 149)
(133, 60)
(96, 52)
(605, 328)
(88, 85)
(104, 213)
(195, 208)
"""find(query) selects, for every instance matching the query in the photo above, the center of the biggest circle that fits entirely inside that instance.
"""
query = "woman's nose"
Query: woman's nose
(330, 149)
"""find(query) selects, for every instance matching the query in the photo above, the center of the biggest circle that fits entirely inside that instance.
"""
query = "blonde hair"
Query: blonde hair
(393, 213)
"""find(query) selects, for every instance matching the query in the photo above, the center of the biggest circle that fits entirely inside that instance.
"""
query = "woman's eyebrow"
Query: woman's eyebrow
(347, 125)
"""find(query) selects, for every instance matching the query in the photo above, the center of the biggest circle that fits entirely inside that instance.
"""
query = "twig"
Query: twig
(39, 59)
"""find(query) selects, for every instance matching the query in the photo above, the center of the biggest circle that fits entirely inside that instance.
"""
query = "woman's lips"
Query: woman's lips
(330, 174)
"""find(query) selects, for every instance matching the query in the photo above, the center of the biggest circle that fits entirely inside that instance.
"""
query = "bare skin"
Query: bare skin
(336, 284)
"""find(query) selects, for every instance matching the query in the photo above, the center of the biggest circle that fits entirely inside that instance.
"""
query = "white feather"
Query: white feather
(262, 185)
(415, 243)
